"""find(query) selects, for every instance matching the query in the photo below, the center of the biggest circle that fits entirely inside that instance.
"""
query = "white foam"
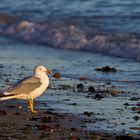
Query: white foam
(70, 36)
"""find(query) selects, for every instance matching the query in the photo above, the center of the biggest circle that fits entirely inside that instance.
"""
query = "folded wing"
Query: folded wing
(25, 86)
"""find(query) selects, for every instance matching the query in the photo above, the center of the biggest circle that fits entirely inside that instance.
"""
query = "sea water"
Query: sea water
(107, 27)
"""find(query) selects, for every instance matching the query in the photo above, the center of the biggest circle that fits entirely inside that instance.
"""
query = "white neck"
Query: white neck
(44, 78)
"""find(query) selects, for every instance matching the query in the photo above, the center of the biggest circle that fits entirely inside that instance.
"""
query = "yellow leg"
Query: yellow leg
(31, 106)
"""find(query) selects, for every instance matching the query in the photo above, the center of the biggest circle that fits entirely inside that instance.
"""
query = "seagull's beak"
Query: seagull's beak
(49, 71)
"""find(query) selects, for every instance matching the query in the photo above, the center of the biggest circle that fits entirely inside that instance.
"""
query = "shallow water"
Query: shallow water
(109, 113)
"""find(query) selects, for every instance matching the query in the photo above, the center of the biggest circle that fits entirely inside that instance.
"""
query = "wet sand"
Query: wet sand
(18, 123)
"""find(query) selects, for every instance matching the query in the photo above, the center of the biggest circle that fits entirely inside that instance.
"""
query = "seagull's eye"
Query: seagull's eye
(40, 68)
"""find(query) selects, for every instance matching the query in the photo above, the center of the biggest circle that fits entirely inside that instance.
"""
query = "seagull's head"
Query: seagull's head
(39, 70)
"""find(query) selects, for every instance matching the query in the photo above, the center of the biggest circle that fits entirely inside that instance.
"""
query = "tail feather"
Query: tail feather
(8, 97)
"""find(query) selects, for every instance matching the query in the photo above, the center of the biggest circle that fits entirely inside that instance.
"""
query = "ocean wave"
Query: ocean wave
(69, 35)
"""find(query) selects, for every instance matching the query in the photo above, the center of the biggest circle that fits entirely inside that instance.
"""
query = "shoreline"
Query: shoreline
(19, 124)
(106, 104)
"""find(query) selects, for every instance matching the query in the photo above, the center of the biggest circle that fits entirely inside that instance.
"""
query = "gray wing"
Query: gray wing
(24, 87)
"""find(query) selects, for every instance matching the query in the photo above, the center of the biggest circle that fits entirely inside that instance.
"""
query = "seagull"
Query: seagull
(30, 87)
